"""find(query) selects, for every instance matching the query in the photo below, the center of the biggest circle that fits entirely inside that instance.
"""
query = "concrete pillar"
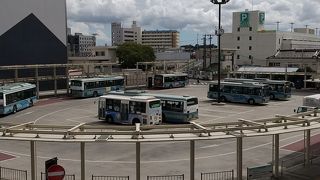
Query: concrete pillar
(55, 80)
(138, 172)
(192, 159)
(307, 138)
(16, 75)
(37, 81)
(83, 161)
(33, 160)
(239, 158)
(276, 155)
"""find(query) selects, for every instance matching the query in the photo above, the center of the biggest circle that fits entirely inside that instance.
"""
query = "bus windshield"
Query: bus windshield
(76, 83)
(154, 104)
(191, 102)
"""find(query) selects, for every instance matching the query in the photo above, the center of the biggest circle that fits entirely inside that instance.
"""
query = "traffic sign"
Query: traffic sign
(55, 172)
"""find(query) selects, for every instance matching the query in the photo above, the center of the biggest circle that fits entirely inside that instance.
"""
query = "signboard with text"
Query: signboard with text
(244, 19)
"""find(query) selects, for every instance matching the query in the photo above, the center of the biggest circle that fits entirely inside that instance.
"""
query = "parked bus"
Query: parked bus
(170, 80)
(278, 89)
(175, 108)
(17, 96)
(247, 92)
(94, 87)
(130, 109)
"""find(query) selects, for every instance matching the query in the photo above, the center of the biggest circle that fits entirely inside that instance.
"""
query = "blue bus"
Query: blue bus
(17, 96)
(175, 108)
(170, 80)
(279, 90)
(247, 92)
(94, 87)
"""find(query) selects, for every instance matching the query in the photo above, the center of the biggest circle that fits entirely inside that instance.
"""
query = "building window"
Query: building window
(250, 48)
(250, 38)
(238, 47)
(250, 57)
(238, 38)
(250, 28)
(238, 56)
(238, 29)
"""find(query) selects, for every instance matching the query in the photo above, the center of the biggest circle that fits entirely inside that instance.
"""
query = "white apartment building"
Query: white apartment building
(255, 44)
(161, 39)
(121, 35)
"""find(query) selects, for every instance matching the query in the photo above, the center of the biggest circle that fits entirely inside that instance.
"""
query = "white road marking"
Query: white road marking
(215, 110)
(209, 115)
(235, 114)
(35, 121)
(24, 114)
(217, 145)
(81, 117)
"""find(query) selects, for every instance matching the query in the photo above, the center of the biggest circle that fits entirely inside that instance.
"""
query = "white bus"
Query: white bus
(170, 80)
(175, 108)
(130, 109)
(16, 96)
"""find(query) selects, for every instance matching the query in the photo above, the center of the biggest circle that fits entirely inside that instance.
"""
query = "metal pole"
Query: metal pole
(276, 155)
(83, 161)
(307, 147)
(33, 160)
(16, 75)
(219, 53)
(305, 77)
(137, 66)
(239, 158)
(192, 159)
(138, 160)
(68, 79)
(55, 80)
(37, 81)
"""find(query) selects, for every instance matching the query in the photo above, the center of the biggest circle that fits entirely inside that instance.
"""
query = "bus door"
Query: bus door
(124, 110)
(102, 109)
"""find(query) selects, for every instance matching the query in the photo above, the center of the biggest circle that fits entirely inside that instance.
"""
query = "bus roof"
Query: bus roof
(128, 98)
(260, 80)
(15, 87)
(160, 96)
(98, 79)
(247, 84)
(170, 75)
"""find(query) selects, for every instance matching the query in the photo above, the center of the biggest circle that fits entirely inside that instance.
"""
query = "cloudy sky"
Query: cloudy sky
(190, 17)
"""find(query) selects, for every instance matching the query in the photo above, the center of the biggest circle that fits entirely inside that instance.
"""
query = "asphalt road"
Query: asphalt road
(156, 158)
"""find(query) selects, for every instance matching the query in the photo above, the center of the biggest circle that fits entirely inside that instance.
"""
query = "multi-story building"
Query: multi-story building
(80, 45)
(121, 35)
(255, 44)
(159, 40)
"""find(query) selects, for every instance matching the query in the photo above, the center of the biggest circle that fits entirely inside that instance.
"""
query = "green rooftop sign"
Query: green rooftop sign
(244, 19)
(262, 17)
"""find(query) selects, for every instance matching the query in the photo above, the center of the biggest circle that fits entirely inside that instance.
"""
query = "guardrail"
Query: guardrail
(109, 177)
(222, 175)
(169, 177)
(12, 174)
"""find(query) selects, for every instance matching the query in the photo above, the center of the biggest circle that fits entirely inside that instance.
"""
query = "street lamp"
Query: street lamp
(219, 32)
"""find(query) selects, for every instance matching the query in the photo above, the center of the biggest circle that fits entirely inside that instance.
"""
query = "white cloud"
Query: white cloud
(198, 16)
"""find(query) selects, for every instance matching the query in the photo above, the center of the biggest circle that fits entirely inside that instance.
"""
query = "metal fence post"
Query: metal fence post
(239, 158)
(192, 159)
(138, 160)
(276, 155)
(83, 173)
(307, 147)
(33, 160)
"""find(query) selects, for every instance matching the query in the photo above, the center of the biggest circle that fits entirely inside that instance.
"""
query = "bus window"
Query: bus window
(1, 100)
(119, 82)
(213, 88)
(76, 83)
(137, 107)
(227, 89)
(191, 102)
(154, 104)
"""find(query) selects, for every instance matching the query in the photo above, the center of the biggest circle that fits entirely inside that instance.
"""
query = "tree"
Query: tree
(130, 53)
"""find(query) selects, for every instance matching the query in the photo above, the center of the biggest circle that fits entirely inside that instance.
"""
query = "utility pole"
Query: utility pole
(278, 22)
(210, 47)
(204, 51)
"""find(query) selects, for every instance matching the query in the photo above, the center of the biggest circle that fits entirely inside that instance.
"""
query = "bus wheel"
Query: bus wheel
(251, 101)
(272, 96)
(170, 86)
(223, 99)
(135, 121)
(14, 109)
(109, 119)
(95, 94)
(31, 102)
(164, 119)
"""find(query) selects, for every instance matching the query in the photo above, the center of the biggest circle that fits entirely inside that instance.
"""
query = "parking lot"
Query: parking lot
(156, 158)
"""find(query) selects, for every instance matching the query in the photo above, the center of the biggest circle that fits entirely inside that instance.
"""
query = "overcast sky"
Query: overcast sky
(190, 17)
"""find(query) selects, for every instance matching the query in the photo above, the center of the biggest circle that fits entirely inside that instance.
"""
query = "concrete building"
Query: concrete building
(255, 44)
(80, 45)
(160, 40)
(121, 35)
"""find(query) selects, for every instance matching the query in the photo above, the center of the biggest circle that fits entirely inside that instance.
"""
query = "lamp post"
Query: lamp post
(219, 32)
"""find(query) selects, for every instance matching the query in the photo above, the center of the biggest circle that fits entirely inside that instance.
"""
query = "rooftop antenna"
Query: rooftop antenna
(292, 26)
